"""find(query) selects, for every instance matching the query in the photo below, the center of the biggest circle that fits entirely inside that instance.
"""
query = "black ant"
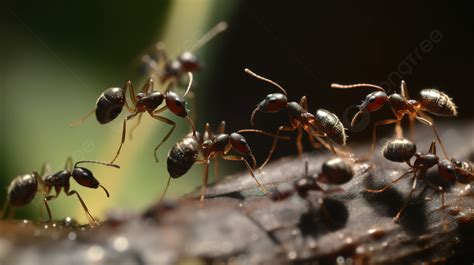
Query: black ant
(323, 124)
(185, 62)
(111, 102)
(430, 100)
(24, 187)
(402, 150)
(184, 153)
(335, 171)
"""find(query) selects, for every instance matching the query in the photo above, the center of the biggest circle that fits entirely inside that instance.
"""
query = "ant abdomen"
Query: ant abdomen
(337, 171)
(182, 156)
(399, 150)
(22, 190)
(437, 102)
(330, 124)
(109, 104)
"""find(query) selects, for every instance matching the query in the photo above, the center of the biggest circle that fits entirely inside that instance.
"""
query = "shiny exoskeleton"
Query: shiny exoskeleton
(323, 124)
(450, 170)
(111, 102)
(203, 148)
(157, 62)
(430, 100)
(24, 187)
(399, 150)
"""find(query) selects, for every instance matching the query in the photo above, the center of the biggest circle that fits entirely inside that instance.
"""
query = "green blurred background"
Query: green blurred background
(57, 57)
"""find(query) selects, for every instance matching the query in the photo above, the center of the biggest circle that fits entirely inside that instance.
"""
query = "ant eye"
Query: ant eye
(371, 100)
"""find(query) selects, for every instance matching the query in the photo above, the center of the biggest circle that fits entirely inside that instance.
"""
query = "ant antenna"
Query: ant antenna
(334, 85)
(78, 122)
(220, 27)
(266, 80)
(97, 162)
(189, 84)
(166, 189)
(355, 119)
(106, 191)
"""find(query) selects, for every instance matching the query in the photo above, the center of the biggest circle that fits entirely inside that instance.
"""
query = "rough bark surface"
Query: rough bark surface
(240, 225)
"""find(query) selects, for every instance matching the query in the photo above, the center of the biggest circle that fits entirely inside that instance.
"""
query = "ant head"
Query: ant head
(272, 103)
(373, 101)
(175, 104)
(239, 144)
(464, 173)
(305, 184)
(84, 177)
(447, 170)
(171, 70)
(189, 62)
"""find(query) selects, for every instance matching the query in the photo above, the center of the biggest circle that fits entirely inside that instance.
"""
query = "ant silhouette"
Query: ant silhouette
(323, 124)
(111, 102)
(23, 188)
(430, 100)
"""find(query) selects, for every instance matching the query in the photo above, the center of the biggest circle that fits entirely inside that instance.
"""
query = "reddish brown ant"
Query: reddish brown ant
(24, 187)
(111, 102)
(323, 124)
(209, 146)
(402, 150)
(430, 100)
(185, 62)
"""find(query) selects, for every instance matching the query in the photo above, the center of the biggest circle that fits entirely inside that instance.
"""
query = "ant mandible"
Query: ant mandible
(111, 102)
(430, 100)
(24, 187)
(402, 150)
(210, 146)
(185, 62)
(324, 124)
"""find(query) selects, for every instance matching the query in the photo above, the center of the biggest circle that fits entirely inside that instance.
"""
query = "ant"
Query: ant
(430, 100)
(185, 62)
(323, 124)
(402, 150)
(24, 187)
(111, 102)
(335, 171)
(209, 146)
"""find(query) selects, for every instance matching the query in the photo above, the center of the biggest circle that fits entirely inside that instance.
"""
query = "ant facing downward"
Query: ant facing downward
(323, 124)
(111, 102)
(210, 146)
(24, 187)
(402, 150)
(185, 62)
(430, 100)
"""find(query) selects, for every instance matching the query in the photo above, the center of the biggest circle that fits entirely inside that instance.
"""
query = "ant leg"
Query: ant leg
(272, 149)
(79, 121)
(313, 143)
(72, 192)
(4, 208)
(299, 143)
(216, 169)
(374, 133)
(48, 198)
(168, 121)
(438, 189)
(398, 130)
(391, 183)
(407, 201)
(326, 143)
(204, 182)
(132, 94)
(221, 128)
(130, 136)
(240, 158)
(124, 132)
(411, 124)
(427, 122)
(166, 189)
